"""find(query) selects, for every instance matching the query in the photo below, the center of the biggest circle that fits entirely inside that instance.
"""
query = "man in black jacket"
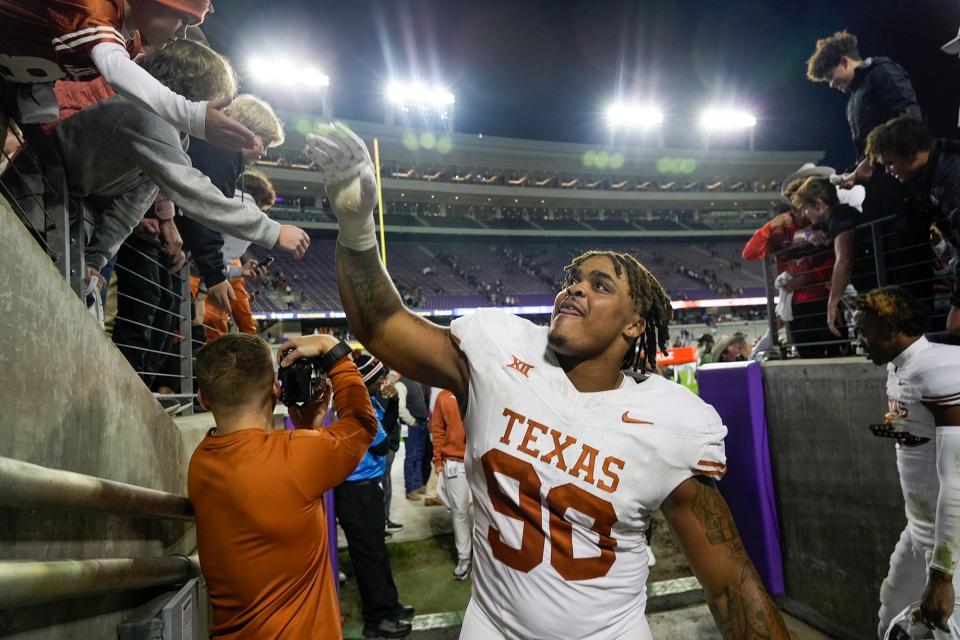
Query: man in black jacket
(359, 506)
(879, 90)
(931, 168)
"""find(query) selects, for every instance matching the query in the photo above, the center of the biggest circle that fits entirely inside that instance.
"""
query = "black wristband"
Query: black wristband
(328, 360)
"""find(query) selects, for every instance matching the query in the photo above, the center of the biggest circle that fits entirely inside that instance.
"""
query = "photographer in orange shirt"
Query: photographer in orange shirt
(258, 493)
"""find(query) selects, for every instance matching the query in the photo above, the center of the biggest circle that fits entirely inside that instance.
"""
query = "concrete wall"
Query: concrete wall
(71, 401)
(838, 492)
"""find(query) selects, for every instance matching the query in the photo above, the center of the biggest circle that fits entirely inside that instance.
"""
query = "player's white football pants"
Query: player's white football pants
(906, 579)
(478, 626)
(458, 501)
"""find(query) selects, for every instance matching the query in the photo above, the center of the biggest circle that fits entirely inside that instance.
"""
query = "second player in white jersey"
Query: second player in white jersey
(923, 398)
(564, 482)
(914, 378)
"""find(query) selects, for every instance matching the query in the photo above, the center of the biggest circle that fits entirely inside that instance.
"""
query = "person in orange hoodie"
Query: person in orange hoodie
(449, 445)
(257, 493)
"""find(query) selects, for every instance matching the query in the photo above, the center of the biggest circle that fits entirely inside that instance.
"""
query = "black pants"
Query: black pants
(388, 484)
(427, 463)
(904, 241)
(359, 508)
(144, 301)
(810, 326)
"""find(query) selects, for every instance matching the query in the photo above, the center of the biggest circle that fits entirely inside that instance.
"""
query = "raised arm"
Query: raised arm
(321, 458)
(403, 340)
(415, 347)
(843, 247)
(741, 606)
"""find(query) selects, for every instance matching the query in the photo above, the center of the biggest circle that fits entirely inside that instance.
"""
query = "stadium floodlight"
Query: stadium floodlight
(287, 73)
(621, 115)
(417, 94)
(720, 120)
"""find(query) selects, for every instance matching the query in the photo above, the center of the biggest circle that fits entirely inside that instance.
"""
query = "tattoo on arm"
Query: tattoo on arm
(366, 290)
(743, 610)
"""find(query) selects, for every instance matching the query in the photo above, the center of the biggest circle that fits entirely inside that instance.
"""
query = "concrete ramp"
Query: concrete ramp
(70, 401)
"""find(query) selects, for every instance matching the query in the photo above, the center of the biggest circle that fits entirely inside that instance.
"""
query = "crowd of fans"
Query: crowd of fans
(154, 154)
(282, 288)
(904, 184)
(155, 145)
(493, 292)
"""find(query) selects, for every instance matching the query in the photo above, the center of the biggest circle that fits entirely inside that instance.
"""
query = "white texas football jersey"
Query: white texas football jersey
(924, 373)
(564, 482)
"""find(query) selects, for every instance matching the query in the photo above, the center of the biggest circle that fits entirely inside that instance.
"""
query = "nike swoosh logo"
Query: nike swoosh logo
(626, 418)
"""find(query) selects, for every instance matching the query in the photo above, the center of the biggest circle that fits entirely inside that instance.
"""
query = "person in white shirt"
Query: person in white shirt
(923, 397)
(571, 443)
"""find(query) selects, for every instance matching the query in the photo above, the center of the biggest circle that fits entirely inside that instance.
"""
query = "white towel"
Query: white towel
(785, 303)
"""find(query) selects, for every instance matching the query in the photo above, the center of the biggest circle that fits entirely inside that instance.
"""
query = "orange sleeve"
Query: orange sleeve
(321, 459)
(77, 26)
(438, 428)
(756, 247)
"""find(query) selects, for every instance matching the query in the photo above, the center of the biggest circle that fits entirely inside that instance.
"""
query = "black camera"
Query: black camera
(300, 382)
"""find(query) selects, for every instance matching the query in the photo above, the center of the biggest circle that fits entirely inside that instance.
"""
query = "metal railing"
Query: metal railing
(156, 327)
(156, 335)
(35, 185)
(885, 253)
(30, 486)
(30, 583)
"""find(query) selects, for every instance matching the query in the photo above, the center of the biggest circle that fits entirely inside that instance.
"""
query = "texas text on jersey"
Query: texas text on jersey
(564, 482)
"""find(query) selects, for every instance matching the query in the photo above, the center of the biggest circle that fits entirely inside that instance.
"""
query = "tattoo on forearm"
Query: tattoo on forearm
(743, 610)
(365, 287)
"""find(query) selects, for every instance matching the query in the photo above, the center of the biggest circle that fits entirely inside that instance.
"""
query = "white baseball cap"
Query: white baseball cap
(952, 47)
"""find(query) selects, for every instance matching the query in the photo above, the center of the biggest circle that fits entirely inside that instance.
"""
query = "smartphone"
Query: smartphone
(266, 262)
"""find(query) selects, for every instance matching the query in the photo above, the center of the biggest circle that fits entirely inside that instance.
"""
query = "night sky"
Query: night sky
(546, 70)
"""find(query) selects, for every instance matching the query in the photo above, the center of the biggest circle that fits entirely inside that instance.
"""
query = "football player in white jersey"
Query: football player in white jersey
(923, 395)
(567, 454)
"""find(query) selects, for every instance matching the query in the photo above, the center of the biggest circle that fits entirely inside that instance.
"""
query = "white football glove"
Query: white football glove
(350, 179)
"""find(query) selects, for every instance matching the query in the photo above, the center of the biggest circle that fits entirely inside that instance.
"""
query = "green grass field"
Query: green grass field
(423, 572)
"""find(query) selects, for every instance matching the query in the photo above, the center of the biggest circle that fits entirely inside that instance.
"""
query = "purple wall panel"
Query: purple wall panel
(736, 391)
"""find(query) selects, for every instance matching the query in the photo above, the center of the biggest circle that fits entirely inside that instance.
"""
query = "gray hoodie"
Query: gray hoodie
(118, 155)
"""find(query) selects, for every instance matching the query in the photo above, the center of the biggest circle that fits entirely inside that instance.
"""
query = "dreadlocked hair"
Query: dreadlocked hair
(649, 300)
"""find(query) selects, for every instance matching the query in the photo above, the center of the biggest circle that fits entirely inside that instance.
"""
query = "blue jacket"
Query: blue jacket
(372, 466)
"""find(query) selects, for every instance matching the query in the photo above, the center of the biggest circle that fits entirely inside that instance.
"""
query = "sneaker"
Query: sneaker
(414, 495)
(388, 629)
(394, 525)
(387, 535)
(433, 502)
(462, 570)
(407, 612)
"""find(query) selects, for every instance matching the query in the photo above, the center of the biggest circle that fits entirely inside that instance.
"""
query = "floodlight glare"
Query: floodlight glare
(727, 120)
(633, 116)
(417, 94)
(286, 73)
